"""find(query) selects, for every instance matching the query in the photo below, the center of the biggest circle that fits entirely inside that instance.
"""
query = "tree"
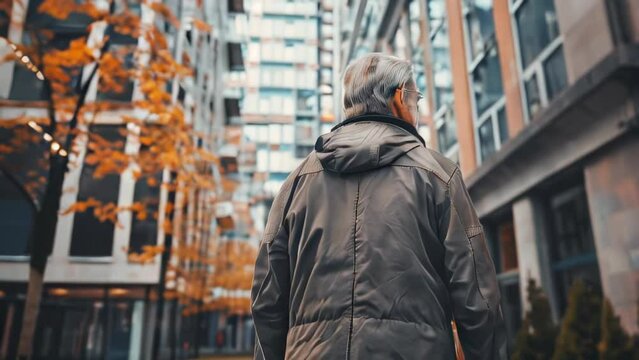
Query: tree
(615, 344)
(536, 337)
(68, 67)
(581, 326)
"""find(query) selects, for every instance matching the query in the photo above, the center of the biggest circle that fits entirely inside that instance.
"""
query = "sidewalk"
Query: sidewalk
(226, 357)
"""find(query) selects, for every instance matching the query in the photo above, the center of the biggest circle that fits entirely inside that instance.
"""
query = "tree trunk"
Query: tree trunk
(173, 329)
(46, 219)
(30, 318)
(42, 237)
(164, 264)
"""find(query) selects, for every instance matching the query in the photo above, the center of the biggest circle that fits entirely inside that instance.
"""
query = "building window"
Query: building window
(444, 115)
(92, 237)
(537, 22)
(480, 24)
(25, 85)
(442, 74)
(502, 122)
(540, 49)
(507, 246)
(555, 70)
(573, 253)
(484, 70)
(533, 96)
(305, 132)
(446, 131)
(236, 58)
(144, 226)
(306, 101)
(501, 239)
(124, 49)
(23, 172)
(486, 137)
(483, 57)
(236, 6)
(16, 218)
(486, 81)
(5, 20)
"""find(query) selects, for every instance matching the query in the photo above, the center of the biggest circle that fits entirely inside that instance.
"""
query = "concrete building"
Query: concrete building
(537, 102)
(96, 301)
(281, 104)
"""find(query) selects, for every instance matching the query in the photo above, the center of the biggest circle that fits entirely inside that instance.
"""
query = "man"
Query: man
(372, 246)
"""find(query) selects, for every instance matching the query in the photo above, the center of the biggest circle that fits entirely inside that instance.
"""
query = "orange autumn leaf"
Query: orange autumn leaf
(126, 23)
(81, 206)
(58, 9)
(152, 182)
(165, 12)
(201, 25)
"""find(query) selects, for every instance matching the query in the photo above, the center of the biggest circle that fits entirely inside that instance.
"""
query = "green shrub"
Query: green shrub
(536, 338)
(615, 344)
(581, 325)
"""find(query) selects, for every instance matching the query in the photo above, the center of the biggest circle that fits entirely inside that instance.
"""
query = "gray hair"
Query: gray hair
(370, 82)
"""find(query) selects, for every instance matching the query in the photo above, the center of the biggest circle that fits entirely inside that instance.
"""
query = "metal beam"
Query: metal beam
(390, 21)
(354, 34)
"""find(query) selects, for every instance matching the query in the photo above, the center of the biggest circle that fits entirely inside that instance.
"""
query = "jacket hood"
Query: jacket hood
(366, 142)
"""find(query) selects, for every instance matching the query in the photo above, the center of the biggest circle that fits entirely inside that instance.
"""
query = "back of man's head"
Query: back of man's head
(370, 82)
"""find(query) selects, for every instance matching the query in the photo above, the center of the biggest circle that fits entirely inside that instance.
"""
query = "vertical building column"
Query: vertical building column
(509, 66)
(137, 322)
(461, 89)
(612, 187)
(532, 250)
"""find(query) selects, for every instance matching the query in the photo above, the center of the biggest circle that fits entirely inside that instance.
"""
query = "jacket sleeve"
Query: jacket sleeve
(470, 276)
(271, 281)
(269, 296)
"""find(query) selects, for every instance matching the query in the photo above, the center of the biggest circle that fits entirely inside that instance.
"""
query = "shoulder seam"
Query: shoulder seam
(429, 170)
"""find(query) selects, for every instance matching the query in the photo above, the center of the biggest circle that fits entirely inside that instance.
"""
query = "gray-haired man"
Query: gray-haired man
(373, 246)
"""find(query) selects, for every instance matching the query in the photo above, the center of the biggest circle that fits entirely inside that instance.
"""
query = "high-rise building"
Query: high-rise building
(534, 99)
(281, 104)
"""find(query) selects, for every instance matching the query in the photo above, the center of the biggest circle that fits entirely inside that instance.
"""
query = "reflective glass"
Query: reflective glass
(537, 25)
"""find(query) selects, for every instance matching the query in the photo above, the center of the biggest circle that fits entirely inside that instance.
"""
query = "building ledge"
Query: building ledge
(573, 113)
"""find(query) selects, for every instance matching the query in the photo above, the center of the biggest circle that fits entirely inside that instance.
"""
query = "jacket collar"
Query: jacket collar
(383, 119)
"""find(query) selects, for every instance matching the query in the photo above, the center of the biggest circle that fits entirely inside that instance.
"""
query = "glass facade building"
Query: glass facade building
(281, 105)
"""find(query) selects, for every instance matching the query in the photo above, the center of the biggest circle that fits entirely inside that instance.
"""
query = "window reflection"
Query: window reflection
(537, 24)
(503, 125)
(555, 70)
(441, 53)
(533, 98)
(486, 139)
(447, 132)
(486, 77)
(481, 27)
(573, 253)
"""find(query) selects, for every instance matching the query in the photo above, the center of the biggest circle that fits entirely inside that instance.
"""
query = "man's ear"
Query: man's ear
(399, 92)
(397, 103)
(398, 97)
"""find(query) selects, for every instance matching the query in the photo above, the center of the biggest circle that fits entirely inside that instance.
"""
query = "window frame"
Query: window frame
(441, 114)
(440, 118)
(84, 145)
(536, 66)
(491, 113)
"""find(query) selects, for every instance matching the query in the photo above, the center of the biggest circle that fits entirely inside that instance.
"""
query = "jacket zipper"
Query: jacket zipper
(350, 328)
